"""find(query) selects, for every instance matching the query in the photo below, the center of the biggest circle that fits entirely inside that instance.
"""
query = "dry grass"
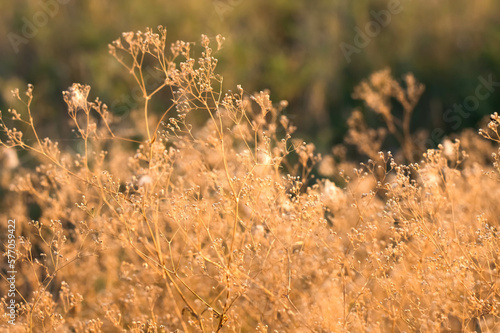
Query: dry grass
(222, 227)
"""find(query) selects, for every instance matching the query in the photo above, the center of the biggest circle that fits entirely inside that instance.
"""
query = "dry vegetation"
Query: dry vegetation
(223, 227)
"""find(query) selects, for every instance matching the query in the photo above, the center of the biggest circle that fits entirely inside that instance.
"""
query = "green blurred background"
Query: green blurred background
(291, 47)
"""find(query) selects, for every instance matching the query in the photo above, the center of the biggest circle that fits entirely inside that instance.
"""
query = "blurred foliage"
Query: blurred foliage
(292, 48)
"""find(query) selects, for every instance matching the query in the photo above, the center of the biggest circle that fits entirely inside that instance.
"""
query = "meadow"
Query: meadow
(211, 214)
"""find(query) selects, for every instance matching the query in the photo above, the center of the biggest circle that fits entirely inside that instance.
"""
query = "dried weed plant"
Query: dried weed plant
(215, 228)
(377, 93)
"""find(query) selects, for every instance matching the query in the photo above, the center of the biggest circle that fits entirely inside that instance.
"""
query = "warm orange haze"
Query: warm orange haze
(188, 204)
(222, 227)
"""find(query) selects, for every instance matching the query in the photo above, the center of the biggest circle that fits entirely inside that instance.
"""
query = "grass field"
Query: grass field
(211, 215)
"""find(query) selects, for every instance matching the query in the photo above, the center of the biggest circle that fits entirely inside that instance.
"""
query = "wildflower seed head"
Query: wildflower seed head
(76, 97)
